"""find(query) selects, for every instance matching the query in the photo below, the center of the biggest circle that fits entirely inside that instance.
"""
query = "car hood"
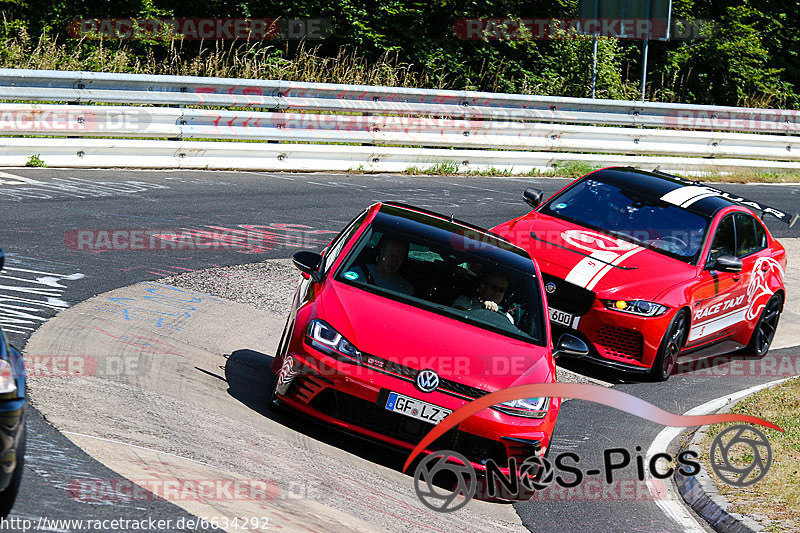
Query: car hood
(609, 266)
(421, 339)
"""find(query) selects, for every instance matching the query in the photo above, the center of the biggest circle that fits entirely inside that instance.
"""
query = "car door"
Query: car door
(751, 240)
(719, 298)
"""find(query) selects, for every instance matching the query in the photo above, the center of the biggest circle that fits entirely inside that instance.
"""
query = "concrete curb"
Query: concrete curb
(701, 494)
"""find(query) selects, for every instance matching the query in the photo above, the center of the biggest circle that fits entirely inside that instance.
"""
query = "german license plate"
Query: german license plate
(414, 408)
(560, 317)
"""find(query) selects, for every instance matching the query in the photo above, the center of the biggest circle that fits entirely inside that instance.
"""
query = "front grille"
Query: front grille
(410, 374)
(620, 342)
(568, 297)
(308, 385)
(375, 417)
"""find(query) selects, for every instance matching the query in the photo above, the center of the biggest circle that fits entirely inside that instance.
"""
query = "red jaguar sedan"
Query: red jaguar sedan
(652, 270)
(406, 316)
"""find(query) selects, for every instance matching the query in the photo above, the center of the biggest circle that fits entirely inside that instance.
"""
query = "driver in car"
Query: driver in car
(392, 253)
(491, 291)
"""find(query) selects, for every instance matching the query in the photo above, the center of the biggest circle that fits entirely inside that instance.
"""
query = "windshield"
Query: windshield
(644, 220)
(458, 282)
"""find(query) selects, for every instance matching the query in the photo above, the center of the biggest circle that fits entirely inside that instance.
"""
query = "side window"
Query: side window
(335, 247)
(751, 236)
(724, 240)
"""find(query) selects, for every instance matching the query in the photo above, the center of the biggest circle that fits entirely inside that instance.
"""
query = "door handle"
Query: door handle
(737, 278)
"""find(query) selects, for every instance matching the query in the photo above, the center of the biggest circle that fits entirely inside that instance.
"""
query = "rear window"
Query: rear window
(750, 235)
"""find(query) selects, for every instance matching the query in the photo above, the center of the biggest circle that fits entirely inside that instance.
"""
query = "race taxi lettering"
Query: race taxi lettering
(722, 306)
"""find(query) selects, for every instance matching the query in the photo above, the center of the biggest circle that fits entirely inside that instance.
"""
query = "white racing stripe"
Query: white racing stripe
(717, 324)
(588, 267)
(614, 263)
(590, 270)
(686, 196)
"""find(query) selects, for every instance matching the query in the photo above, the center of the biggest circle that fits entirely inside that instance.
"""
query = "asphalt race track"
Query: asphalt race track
(46, 272)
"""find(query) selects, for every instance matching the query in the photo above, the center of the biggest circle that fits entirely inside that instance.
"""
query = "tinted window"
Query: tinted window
(724, 240)
(452, 281)
(749, 238)
(634, 216)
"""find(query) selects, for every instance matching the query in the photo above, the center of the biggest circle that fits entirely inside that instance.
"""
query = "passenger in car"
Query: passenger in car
(491, 291)
(392, 253)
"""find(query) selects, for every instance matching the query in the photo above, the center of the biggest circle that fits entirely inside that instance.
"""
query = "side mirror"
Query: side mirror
(308, 263)
(570, 346)
(533, 197)
(2, 259)
(728, 263)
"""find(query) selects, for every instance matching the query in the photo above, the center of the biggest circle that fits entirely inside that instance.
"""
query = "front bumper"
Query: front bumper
(353, 398)
(620, 340)
(12, 423)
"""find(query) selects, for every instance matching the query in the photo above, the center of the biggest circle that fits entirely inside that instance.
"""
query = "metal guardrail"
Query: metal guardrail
(481, 129)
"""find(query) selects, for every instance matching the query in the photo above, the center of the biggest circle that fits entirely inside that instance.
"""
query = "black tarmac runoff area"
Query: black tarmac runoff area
(49, 216)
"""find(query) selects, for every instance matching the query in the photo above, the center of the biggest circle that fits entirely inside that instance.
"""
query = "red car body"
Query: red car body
(396, 341)
(585, 267)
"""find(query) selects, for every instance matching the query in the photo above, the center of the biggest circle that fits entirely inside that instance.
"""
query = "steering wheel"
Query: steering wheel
(670, 243)
(676, 240)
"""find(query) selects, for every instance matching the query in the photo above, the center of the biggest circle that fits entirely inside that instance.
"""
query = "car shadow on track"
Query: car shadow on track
(594, 371)
(248, 376)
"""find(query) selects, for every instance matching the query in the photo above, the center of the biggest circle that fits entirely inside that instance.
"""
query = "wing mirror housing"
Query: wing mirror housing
(308, 263)
(2, 259)
(571, 347)
(533, 197)
(728, 263)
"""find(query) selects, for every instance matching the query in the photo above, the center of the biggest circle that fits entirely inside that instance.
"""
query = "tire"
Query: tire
(670, 347)
(8, 496)
(283, 348)
(272, 398)
(764, 332)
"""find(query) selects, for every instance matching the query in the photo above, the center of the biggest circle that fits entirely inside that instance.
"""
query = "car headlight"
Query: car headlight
(7, 383)
(636, 307)
(327, 340)
(527, 407)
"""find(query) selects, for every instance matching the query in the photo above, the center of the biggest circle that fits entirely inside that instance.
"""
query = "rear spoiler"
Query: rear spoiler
(753, 205)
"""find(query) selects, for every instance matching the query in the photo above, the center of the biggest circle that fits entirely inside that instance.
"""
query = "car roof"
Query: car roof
(440, 228)
(690, 195)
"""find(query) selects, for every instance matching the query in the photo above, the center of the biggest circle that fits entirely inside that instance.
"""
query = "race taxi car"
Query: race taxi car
(12, 420)
(406, 316)
(652, 269)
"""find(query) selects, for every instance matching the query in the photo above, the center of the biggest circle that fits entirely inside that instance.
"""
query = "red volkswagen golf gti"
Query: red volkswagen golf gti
(652, 269)
(406, 316)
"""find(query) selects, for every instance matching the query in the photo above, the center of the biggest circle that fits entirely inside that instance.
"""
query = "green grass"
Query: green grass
(35, 161)
(447, 168)
(777, 496)
(566, 169)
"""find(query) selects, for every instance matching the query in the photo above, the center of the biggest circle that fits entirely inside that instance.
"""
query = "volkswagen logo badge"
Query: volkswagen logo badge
(550, 287)
(427, 380)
